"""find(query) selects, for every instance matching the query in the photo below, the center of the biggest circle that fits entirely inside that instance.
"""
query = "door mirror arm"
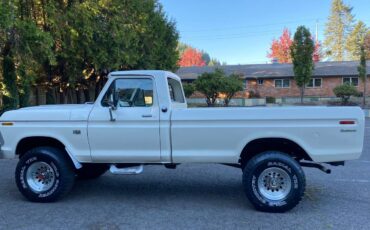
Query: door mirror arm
(112, 107)
(111, 113)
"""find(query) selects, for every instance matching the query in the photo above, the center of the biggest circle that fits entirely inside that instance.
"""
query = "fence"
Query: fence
(276, 101)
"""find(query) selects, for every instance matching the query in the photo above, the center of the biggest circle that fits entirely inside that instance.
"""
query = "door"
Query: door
(133, 137)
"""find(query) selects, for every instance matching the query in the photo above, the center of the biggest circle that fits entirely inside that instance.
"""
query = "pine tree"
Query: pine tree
(206, 58)
(302, 51)
(338, 27)
(362, 72)
(367, 45)
(71, 45)
(355, 40)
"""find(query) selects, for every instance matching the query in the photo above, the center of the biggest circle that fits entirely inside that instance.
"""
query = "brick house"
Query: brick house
(277, 80)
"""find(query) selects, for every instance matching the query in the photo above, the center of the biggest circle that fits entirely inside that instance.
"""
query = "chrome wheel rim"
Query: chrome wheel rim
(40, 177)
(274, 184)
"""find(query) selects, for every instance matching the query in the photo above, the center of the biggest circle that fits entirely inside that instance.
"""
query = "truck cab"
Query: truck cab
(135, 112)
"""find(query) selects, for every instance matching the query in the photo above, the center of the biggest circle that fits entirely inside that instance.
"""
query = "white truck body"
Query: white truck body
(181, 134)
(141, 117)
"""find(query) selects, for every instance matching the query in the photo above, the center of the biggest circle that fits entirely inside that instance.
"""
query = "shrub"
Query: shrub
(270, 100)
(345, 92)
(210, 84)
(253, 94)
(230, 86)
(189, 89)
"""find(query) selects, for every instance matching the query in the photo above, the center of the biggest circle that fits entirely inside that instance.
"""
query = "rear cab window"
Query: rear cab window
(175, 91)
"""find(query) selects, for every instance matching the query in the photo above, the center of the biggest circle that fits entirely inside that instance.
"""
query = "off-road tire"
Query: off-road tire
(265, 174)
(61, 174)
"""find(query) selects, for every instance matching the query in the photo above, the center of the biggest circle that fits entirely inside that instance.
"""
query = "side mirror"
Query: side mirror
(109, 103)
(111, 106)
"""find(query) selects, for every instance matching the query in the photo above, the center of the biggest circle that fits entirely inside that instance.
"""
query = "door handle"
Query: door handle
(147, 115)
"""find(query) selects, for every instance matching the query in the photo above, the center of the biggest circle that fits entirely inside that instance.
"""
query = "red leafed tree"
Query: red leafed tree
(191, 57)
(280, 48)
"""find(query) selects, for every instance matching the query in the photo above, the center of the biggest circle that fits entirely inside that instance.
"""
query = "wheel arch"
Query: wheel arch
(281, 144)
(30, 142)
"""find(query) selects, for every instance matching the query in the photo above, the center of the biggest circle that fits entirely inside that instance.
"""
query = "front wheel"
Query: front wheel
(44, 174)
(273, 182)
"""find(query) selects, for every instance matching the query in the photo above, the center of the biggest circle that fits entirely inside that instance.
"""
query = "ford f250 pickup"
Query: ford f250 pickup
(141, 118)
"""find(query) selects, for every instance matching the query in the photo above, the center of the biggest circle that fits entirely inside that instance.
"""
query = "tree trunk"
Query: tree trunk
(78, 96)
(364, 93)
(86, 94)
(209, 103)
(227, 101)
(11, 98)
(302, 94)
(50, 99)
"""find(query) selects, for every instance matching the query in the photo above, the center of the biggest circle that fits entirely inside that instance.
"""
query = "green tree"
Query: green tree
(206, 58)
(302, 51)
(72, 45)
(345, 92)
(25, 48)
(210, 85)
(7, 30)
(355, 40)
(189, 89)
(339, 25)
(214, 62)
(230, 86)
(367, 45)
(362, 72)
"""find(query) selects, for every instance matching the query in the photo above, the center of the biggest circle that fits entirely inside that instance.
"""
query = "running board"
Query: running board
(134, 170)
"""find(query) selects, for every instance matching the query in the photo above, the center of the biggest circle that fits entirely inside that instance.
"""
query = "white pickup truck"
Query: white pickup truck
(141, 118)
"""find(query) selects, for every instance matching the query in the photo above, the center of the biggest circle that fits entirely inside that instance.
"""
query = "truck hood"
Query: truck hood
(49, 113)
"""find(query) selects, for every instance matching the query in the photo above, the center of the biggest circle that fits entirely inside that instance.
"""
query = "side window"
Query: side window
(175, 90)
(282, 83)
(350, 80)
(131, 92)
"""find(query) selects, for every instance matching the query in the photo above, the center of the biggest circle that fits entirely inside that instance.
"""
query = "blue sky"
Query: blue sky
(241, 31)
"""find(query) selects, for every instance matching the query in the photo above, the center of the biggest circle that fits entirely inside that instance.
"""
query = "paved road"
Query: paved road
(192, 196)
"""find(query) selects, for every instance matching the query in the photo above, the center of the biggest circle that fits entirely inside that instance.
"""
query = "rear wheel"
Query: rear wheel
(91, 171)
(273, 182)
(44, 174)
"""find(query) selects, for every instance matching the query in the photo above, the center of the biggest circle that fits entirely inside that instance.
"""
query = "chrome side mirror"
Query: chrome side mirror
(112, 107)
(110, 104)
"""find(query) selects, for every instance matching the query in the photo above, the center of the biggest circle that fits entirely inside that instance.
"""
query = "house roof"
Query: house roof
(322, 69)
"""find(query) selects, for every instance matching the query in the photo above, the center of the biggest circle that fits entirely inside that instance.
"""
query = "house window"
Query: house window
(350, 80)
(314, 83)
(282, 83)
(260, 81)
